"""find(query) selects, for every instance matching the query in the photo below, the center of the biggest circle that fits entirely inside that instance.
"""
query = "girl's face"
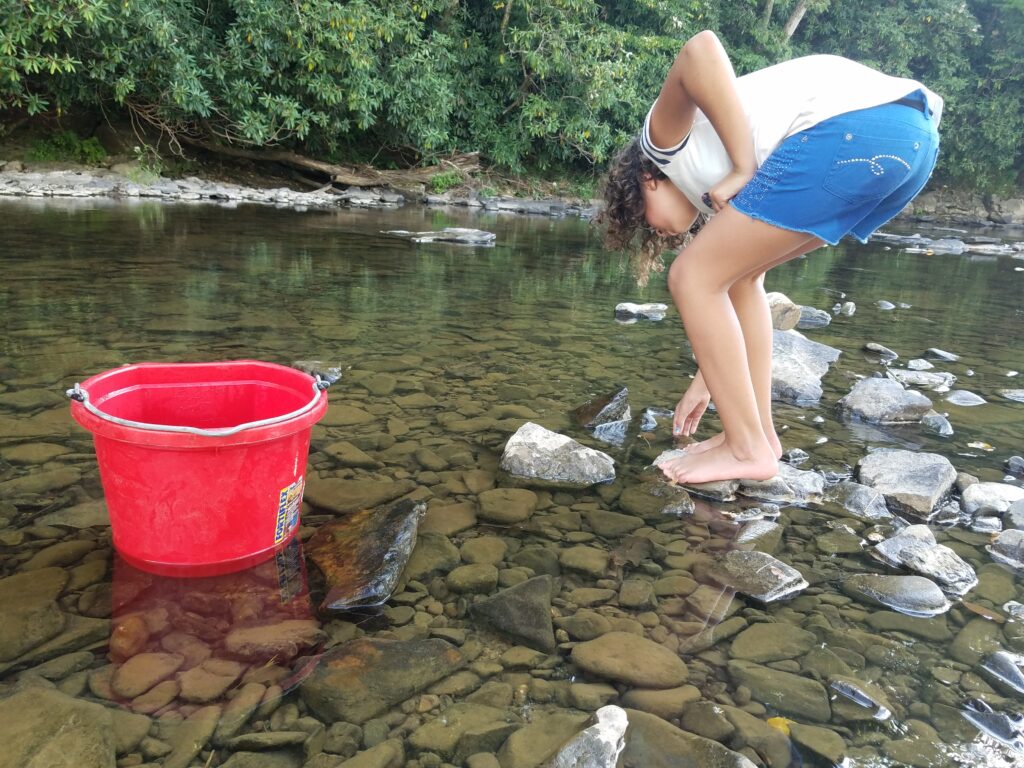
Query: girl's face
(666, 207)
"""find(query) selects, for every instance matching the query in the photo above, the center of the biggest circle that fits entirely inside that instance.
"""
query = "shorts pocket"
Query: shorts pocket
(867, 168)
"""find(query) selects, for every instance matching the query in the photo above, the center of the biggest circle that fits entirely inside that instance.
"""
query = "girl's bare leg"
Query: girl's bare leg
(731, 247)
(751, 305)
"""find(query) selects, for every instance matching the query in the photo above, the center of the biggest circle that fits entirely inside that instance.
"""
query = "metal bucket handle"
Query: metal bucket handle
(82, 396)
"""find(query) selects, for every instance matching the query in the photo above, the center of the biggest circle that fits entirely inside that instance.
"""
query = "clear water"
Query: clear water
(95, 284)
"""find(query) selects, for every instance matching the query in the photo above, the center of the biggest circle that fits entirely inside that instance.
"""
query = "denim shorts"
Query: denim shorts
(846, 175)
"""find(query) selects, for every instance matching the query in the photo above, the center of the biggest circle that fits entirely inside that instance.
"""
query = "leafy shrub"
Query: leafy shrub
(442, 182)
(69, 148)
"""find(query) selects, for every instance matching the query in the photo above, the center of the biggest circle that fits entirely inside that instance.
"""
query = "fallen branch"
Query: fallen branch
(362, 176)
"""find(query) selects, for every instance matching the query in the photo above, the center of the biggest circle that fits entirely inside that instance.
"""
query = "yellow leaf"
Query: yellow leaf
(423, 15)
(311, 66)
(779, 724)
(351, 35)
(501, 58)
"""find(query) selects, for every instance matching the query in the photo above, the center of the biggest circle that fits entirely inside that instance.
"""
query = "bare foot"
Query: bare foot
(713, 442)
(719, 463)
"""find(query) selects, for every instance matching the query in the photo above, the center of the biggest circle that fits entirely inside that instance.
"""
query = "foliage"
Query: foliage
(442, 182)
(530, 84)
(67, 147)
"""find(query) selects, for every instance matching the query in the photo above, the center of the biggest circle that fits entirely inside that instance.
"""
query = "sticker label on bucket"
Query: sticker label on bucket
(288, 504)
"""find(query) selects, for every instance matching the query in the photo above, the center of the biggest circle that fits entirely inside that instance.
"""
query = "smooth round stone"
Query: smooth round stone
(776, 641)
(995, 583)
(913, 595)
(478, 577)
(590, 596)
(589, 560)
(32, 453)
(143, 671)
(615, 656)
(667, 704)
(489, 550)
(507, 505)
(637, 594)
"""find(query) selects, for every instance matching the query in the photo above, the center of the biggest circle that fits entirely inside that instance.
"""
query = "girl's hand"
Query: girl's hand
(691, 408)
(728, 188)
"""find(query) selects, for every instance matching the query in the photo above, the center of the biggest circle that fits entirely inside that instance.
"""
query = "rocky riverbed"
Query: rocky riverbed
(865, 605)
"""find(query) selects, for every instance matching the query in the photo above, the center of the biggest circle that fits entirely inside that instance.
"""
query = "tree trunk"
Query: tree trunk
(795, 18)
(364, 176)
(766, 13)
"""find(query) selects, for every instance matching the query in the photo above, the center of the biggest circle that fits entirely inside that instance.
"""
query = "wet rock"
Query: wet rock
(921, 748)
(238, 711)
(506, 506)
(59, 555)
(283, 639)
(607, 416)
(1005, 670)
(88, 514)
(1014, 517)
(143, 671)
(477, 577)
(915, 548)
(785, 314)
(28, 622)
(613, 656)
(363, 555)
(209, 681)
(885, 305)
(445, 735)
(868, 698)
(937, 423)
(789, 486)
(883, 401)
(667, 704)
(653, 743)
(39, 483)
(798, 364)
(449, 519)
(784, 691)
(964, 398)
(912, 595)
(861, 501)
(534, 453)
(531, 745)
(937, 382)
(911, 482)
(360, 679)
(881, 351)
(1017, 395)
(757, 575)
(40, 727)
(1006, 728)
(757, 735)
(771, 641)
(1014, 465)
(628, 311)
(190, 736)
(656, 501)
(940, 354)
(811, 317)
(1008, 548)
(588, 560)
(983, 498)
(762, 535)
(345, 496)
(461, 235)
(598, 745)
(977, 638)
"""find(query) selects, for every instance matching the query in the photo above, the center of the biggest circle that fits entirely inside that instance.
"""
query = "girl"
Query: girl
(784, 160)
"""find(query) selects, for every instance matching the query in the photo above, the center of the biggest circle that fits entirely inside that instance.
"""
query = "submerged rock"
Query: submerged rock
(1005, 669)
(863, 694)
(1008, 548)
(884, 401)
(521, 612)
(937, 423)
(651, 742)
(789, 486)
(911, 482)
(915, 548)
(363, 555)
(982, 498)
(608, 416)
(860, 501)
(912, 595)
(1017, 395)
(757, 575)
(1006, 728)
(536, 453)
(614, 656)
(964, 398)
(41, 727)
(629, 311)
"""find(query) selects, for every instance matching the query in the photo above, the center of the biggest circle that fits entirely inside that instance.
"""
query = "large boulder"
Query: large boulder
(911, 482)
(884, 401)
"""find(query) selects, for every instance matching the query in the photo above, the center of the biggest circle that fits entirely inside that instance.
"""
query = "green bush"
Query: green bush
(68, 148)
(442, 182)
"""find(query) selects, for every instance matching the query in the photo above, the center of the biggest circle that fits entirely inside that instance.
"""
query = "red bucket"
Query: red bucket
(202, 464)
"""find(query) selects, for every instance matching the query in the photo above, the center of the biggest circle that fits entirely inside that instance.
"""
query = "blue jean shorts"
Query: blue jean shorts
(846, 175)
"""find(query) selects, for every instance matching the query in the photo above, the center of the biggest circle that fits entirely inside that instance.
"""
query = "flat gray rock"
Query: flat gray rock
(41, 727)
(964, 398)
(462, 235)
(536, 453)
(883, 401)
(598, 745)
(911, 482)
(912, 595)
(1008, 548)
(789, 486)
(915, 549)
(860, 501)
(935, 381)
(1017, 395)
(521, 612)
(757, 575)
(991, 498)
(798, 365)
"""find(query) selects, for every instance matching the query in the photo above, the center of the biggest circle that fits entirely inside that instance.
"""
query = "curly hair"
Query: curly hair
(625, 227)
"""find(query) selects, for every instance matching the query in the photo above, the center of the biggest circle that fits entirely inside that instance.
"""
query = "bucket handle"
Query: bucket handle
(82, 396)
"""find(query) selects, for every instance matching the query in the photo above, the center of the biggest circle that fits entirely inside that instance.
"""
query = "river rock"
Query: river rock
(784, 691)
(614, 656)
(531, 745)
(142, 671)
(433, 553)
(785, 313)
(1008, 548)
(43, 728)
(915, 548)
(668, 703)
(1006, 670)
(521, 612)
(598, 745)
(798, 364)
(442, 735)
(39, 483)
(653, 743)
(360, 679)
(757, 575)
(937, 423)
(859, 700)
(1014, 517)
(363, 555)
(881, 351)
(883, 401)
(771, 641)
(88, 514)
(283, 639)
(789, 486)
(1017, 395)
(935, 381)
(506, 506)
(861, 501)
(988, 498)
(344, 496)
(762, 535)
(629, 311)
(190, 736)
(607, 416)
(913, 595)
(28, 622)
(812, 317)
(462, 235)
(534, 453)
(910, 481)
(964, 398)
(656, 501)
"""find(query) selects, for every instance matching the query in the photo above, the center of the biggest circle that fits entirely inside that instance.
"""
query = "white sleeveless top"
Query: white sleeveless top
(779, 101)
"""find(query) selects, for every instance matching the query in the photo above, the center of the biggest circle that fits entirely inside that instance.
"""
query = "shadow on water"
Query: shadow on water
(444, 348)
